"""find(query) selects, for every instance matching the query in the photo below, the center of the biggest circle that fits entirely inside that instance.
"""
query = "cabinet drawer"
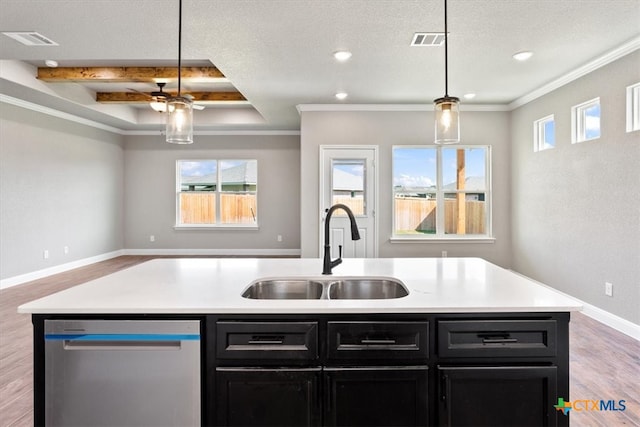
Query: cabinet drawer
(496, 338)
(267, 340)
(378, 340)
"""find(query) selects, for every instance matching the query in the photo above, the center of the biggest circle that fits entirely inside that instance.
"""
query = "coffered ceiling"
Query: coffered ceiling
(256, 60)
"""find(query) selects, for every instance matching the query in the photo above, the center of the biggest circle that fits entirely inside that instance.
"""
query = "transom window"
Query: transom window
(585, 121)
(544, 133)
(216, 193)
(633, 107)
(441, 192)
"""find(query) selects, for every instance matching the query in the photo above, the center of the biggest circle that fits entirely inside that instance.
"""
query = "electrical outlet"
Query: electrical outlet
(279, 238)
(444, 254)
(152, 238)
(45, 254)
(65, 250)
(608, 289)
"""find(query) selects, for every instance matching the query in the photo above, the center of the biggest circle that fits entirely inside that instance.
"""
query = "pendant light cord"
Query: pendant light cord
(446, 53)
(180, 45)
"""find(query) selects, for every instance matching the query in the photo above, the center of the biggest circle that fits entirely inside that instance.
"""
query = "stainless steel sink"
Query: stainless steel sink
(285, 289)
(335, 288)
(367, 289)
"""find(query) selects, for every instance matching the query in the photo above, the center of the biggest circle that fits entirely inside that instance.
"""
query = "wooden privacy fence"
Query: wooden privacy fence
(356, 204)
(200, 208)
(419, 215)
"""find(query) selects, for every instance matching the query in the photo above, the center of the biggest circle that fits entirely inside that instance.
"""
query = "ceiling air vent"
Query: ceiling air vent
(427, 39)
(30, 38)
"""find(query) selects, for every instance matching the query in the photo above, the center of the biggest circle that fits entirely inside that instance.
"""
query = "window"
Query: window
(441, 192)
(633, 107)
(214, 193)
(544, 133)
(585, 121)
(348, 185)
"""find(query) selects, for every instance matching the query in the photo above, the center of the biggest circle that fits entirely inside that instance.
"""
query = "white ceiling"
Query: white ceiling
(278, 53)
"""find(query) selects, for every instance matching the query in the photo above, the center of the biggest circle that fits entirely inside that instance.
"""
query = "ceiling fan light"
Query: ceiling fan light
(179, 120)
(447, 120)
(159, 105)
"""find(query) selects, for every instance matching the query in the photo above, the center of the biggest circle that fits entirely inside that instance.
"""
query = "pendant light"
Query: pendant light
(179, 108)
(447, 108)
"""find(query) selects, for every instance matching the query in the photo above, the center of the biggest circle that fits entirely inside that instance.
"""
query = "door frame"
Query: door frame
(322, 157)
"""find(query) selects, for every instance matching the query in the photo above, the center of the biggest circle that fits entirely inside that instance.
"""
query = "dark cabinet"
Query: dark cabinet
(276, 397)
(376, 396)
(495, 396)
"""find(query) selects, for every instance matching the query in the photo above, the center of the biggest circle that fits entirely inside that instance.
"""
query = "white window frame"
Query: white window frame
(440, 191)
(218, 192)
(633, 107)
(540, 135)
(578, 121)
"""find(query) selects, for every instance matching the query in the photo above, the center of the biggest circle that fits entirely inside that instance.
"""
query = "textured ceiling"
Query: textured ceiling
(278, 53)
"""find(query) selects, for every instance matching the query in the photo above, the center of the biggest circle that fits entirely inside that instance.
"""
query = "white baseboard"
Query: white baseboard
(215, 252)
(611, 320)
(602, 316)
(35, 275)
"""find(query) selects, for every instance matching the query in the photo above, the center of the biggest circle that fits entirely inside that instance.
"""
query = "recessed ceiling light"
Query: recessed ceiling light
(342, 95)
(523, 56)
(51, 63)
(342, 55)
(469, 95)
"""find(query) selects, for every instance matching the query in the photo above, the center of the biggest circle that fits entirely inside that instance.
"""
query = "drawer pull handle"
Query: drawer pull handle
(377, 342)
(263, 342)
(497, 338)
(266, 340)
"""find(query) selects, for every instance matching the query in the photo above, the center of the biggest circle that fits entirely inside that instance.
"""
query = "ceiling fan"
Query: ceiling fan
(158, 98)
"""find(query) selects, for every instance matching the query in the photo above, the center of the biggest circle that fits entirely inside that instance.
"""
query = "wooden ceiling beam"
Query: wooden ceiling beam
(135, 97)
(125, 74)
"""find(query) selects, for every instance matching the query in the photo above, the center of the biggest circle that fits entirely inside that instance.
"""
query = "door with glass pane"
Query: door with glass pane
(348, 177)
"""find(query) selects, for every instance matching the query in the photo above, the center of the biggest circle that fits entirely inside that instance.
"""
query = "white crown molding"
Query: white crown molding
(55, 113)
(76, 119)
(627, 48)
(395, 107)
(220, 132)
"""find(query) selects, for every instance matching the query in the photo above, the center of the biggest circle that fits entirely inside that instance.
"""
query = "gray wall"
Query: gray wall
(576, 208)
(150, 198)
(388, 128)
(61, 184)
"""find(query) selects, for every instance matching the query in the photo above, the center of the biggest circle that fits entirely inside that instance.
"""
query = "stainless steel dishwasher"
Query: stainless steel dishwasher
(122, 373)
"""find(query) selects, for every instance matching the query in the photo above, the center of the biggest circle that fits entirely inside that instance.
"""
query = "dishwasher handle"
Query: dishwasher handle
(121, 345)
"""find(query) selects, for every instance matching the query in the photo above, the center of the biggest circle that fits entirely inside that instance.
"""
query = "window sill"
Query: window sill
(479, 239)
(230, 227)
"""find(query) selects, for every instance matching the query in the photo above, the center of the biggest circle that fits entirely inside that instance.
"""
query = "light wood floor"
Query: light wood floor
(605, 364)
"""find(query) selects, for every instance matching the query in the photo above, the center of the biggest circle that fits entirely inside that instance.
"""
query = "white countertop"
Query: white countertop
(214, 285)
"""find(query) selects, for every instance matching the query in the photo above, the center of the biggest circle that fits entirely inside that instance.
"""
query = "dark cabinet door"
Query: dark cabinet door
(376, 396)
(268, 397)
(520, 396)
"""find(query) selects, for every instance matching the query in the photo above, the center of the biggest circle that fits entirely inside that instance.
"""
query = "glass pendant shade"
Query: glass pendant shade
(447, 120)
(179, 121)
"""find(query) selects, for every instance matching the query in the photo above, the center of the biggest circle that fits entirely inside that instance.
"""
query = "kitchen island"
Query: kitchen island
(471, 343)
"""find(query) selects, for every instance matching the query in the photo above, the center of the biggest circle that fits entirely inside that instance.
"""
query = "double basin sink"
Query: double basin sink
(330, 288)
